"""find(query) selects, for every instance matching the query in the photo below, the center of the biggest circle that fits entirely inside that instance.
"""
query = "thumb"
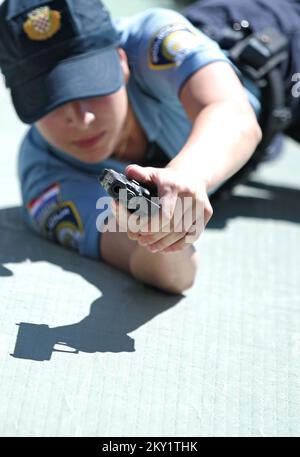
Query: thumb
(146, 175)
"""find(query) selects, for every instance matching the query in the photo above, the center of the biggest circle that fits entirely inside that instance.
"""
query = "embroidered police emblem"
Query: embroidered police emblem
(170, 45)
(64, 225)
(42, 24)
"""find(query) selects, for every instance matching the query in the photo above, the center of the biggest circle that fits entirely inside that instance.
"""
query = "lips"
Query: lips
(88, 142)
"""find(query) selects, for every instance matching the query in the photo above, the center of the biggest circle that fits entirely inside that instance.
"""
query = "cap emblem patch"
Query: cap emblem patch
(42, 24)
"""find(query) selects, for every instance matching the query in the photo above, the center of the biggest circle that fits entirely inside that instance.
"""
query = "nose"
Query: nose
(79, 114)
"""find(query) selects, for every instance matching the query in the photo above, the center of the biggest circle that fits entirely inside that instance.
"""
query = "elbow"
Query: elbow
(246, 123)
(172, 273)
(254, 127)
(183, 278)
(251, 132)
(256, 132)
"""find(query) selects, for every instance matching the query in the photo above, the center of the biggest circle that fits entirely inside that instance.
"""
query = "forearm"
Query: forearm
(172, 273)
(222, 140)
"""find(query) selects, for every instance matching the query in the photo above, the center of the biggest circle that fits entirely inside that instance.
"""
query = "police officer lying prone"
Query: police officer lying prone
(150, 96)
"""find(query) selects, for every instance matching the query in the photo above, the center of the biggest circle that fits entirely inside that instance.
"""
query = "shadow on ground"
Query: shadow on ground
(258, 201)
(122, 309)
(119, 311)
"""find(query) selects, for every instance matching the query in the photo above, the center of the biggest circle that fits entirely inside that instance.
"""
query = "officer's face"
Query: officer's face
(88, 129)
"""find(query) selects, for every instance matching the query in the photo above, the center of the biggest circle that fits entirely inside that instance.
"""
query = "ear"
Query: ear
(124, 64)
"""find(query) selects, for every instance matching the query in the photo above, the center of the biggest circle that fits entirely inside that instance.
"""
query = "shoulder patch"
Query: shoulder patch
(170, 45)
(64, 225)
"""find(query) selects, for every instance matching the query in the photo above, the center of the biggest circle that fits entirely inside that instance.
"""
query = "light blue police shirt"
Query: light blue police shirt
(60, 192)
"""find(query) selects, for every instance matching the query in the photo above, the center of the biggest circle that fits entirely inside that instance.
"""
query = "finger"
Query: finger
(113, 206)
(189, 236)
(208, 212)
(141, 174)
(154, 223)
(133, 236)
(163, 224)
(121, 215)
(195, 231)
(182, 221)
(127, 222)
(195, 219)
(180, 245)
(168, 241)
(168, 198)
(192, 225)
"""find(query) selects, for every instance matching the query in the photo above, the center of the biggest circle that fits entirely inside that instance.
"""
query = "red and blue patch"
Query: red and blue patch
(40, 207)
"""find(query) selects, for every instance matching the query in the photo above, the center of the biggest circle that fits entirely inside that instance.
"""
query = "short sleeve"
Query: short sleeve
(61, 202)
(65, 212)
(165, 49)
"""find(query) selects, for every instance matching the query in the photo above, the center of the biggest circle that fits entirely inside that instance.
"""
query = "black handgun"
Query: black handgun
(124, 190)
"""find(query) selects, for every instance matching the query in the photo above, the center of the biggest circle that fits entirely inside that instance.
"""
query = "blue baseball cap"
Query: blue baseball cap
(56, 51)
